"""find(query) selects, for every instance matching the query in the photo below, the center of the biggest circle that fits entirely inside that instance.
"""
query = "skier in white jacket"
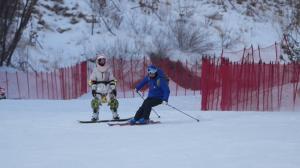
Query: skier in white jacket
(103, 84)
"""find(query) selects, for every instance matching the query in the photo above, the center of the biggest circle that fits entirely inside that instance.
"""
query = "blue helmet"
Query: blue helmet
(151, 69)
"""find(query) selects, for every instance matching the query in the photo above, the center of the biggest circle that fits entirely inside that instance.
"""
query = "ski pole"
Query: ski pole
(183, 112)
(151, 108)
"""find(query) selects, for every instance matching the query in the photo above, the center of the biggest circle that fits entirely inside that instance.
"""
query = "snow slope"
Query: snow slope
(45, 133)
(64, 30)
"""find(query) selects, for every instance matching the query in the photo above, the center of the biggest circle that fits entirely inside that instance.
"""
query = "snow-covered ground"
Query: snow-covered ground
(61, 42)
(46, 134)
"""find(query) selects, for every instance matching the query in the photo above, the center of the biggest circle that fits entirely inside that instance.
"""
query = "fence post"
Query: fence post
(194, 79)
(36, 86)
(131, 78)
(28, 91)
(52, 85)
(259, 53)
(222, 53)
(85, 72)
(122, 74)
(276, 52)
(18, 84)
(7, 85)
(55, 80)
(186, 81)
(296, 82)
(176, 77)
(243, 55)
(282, 82)
(73, 85)
(62, 83)
(78, 80)
(252, 52)
(68, 82)
(203, 82)
(43, 95)
(48, 91)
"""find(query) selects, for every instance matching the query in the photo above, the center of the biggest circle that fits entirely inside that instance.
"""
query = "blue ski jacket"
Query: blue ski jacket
(158, 86)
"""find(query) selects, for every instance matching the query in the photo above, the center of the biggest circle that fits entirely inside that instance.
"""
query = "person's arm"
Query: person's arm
(93, 75)
(140, 85)
(111, 75)
(92, 82)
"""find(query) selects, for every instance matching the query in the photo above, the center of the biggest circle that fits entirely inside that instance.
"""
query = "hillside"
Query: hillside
(63, 32)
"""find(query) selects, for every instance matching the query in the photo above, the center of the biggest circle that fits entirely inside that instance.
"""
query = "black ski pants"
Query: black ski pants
(145, 110)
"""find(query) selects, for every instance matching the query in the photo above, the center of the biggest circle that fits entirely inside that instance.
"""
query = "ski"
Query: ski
(128, 124)
(100, 121)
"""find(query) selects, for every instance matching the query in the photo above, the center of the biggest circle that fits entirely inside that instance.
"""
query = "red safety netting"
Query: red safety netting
(71, 82)
(184, 78)
(64, 83)
(257, 54)
(248, 86)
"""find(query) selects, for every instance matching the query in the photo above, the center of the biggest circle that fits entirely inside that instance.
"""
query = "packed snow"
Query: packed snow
(46, 133)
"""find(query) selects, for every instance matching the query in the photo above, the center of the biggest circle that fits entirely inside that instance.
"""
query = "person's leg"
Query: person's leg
(114, 104)
(139, 113)
(143, 112)
(152, 102)
(95, 103)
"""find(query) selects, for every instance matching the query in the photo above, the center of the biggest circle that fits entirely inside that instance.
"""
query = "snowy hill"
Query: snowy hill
(45, 133)
(64, 32)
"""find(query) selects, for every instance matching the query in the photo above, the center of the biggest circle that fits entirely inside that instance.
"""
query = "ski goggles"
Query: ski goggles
(151, 70)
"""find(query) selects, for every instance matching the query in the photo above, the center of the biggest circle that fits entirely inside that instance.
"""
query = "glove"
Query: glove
(165, 103)
(113, 84)
(94, 93)
(135, 90)
(91, 82)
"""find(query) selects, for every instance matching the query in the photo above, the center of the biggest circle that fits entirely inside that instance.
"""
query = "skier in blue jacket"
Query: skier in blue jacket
(158, 93)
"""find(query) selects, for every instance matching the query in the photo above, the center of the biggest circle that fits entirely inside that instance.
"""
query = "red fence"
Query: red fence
(248, 86)
(184, 78)
(65, 83)
(68, 83)
(268, 54)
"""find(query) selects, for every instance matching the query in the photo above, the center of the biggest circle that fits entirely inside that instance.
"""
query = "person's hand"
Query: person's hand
(94, 93)
(165, 103)
(135, 90)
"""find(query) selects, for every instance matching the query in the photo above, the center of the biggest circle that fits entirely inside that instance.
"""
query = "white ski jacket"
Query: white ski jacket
(102, 75)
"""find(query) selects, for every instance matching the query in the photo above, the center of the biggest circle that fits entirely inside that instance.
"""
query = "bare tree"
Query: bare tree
(14, 16)
(191, 38)
(108, 13)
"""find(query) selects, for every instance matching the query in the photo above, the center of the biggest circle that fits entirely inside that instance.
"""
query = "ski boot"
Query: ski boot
(116, 116)
(95, 117)
(132, 121)
(143, 121)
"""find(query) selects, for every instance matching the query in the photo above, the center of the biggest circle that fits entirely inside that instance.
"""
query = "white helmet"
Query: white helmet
(101, 60)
